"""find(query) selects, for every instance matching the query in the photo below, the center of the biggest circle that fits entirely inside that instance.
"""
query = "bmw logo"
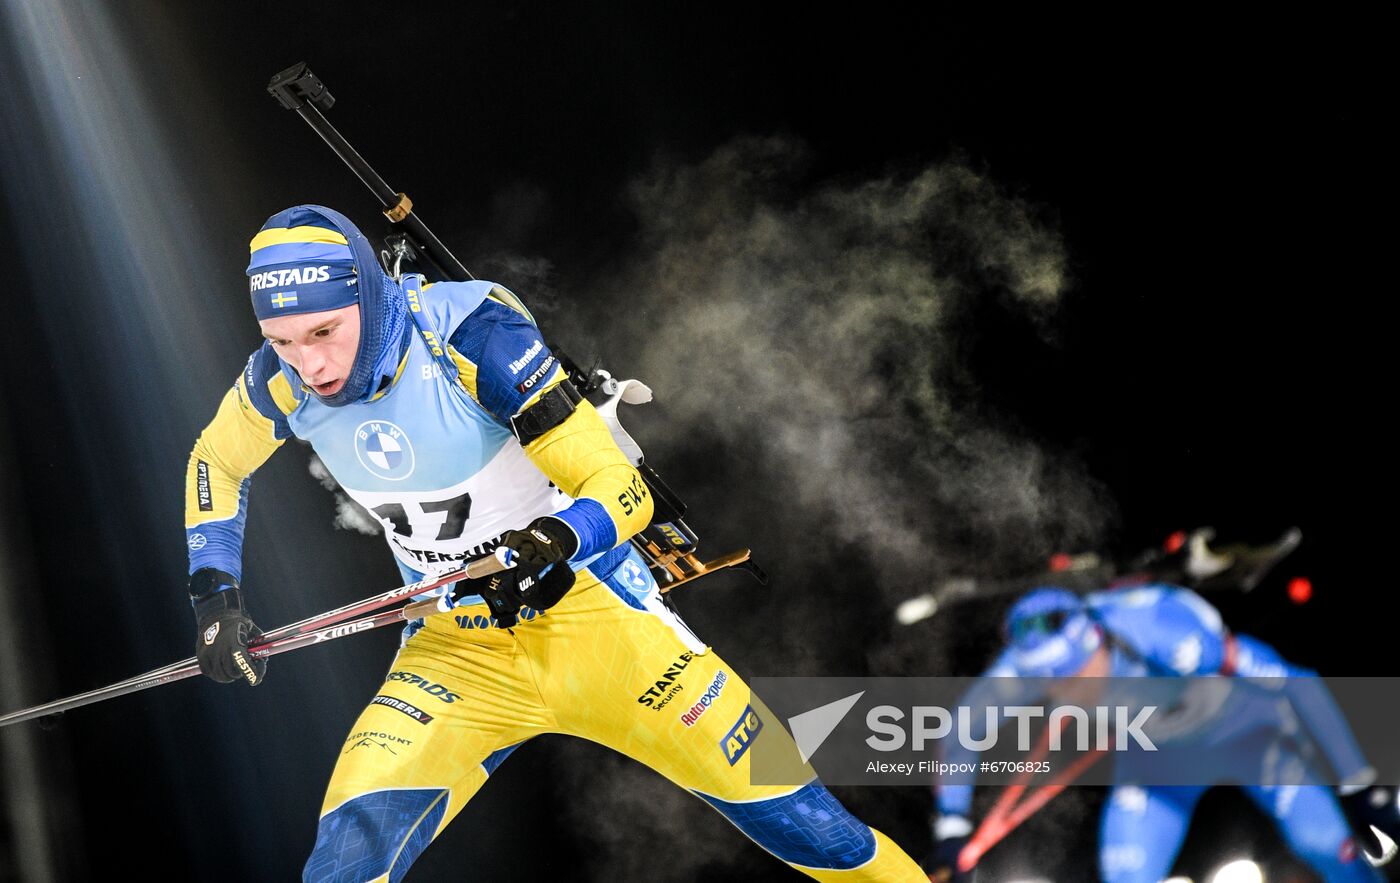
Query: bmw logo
(384, 449)
(635, 576)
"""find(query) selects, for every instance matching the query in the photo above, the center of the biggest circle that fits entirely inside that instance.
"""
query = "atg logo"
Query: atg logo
(384, 449)
(741, 735)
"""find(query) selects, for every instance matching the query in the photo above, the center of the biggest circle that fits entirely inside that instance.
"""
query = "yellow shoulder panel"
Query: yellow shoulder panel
(281, 391)
(466, 372)
(234, 444)
(506, 298)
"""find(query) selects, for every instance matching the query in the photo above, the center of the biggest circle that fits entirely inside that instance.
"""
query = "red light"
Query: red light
(1299, 589)
(1060, 561)
(1173, 543)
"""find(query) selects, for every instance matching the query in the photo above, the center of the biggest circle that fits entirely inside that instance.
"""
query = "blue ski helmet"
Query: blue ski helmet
(309, 259)
(1051, 633)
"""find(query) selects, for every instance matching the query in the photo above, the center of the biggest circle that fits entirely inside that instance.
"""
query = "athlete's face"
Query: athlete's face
(321, 346)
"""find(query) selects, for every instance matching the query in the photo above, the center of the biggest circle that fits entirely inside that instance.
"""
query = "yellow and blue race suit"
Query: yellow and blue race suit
(431, 454)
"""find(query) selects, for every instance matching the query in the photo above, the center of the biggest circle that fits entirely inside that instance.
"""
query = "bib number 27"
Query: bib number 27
(456, 511)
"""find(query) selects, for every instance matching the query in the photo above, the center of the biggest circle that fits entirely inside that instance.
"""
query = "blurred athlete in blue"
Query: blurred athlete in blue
(439, 409)
(1246, 735)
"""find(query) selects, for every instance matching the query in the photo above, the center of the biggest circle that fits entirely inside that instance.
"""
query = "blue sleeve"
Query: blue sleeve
(508, 354)
(248, 427)
(1310, 698)
(593, 526)
(219, 544)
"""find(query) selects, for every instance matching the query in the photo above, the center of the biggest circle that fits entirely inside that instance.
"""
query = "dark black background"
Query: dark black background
(1218, 186)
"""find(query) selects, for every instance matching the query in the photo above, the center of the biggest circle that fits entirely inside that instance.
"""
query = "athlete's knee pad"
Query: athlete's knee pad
(375, 836)
(808, 827)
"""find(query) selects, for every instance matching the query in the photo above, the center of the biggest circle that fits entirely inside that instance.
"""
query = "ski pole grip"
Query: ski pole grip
(501, 559)
(426, 607)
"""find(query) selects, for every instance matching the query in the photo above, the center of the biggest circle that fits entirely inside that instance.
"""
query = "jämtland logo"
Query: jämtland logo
(534, 350)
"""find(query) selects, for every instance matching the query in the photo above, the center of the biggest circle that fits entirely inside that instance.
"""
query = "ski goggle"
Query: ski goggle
(1048, 623)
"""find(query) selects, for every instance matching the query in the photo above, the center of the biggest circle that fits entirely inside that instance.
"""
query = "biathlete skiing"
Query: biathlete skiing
(1257, 736)
(438, 408)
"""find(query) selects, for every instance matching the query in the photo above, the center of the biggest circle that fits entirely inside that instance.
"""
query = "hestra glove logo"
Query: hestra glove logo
(292, 276)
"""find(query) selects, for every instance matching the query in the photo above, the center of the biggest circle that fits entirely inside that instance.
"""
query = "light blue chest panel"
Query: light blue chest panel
(441, 474)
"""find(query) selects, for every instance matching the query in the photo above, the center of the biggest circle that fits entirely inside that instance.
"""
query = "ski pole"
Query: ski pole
(187, 668)
(317, 629)
(501, 559)
(1007, 814)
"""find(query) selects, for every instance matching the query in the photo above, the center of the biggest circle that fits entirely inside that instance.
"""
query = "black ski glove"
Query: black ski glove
(546, 541)
(1372, 806)
(225, 629)
(506, 592)
(950, 835)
